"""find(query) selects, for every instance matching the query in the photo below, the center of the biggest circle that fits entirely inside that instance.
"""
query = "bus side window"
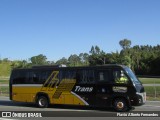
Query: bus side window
(85, 76)
(68, 74)
(79, 76)
(44, 75)
(119, 77)
(20, 77)
(104, 76)
(35, 77)
(40, 76)
(89, 76)
(101, 76)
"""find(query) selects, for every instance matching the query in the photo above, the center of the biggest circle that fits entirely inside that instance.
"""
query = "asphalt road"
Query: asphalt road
(68, 111)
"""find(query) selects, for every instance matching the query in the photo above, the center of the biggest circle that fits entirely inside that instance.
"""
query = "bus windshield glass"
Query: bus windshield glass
(132, 76)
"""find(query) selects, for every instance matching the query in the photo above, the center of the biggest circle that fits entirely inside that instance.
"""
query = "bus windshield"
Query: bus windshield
(132, 76)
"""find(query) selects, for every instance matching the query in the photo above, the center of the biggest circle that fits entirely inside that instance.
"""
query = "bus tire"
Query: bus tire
(42, 101)
(120, 105)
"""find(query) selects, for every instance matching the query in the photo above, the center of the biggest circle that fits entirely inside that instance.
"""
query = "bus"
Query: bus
(97, 86)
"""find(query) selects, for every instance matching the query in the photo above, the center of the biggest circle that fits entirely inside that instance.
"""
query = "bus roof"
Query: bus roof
(64, 67)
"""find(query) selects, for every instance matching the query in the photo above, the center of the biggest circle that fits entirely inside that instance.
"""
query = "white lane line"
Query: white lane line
(7, 119)
(149, 106)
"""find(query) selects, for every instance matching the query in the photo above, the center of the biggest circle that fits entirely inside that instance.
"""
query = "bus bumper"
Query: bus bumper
(139, 99)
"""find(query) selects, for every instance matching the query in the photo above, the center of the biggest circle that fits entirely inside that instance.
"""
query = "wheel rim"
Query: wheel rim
(42, 102)
(120, 105)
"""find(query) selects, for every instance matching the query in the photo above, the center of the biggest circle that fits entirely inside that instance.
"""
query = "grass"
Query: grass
(152, 91)
(150, 80)
(4, 91)
(4, 81)
(151, 98)
(5, 69)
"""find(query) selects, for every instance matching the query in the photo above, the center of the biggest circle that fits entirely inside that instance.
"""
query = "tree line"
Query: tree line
(143, 60)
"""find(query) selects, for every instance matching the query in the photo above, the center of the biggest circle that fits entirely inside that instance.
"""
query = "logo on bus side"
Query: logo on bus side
(83, 89)
(120, 89)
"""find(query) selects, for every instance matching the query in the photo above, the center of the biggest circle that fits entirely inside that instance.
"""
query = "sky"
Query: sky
(59, 28)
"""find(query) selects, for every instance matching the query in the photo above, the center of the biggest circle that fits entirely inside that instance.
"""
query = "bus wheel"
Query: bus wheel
(120, 105)
(42, 102)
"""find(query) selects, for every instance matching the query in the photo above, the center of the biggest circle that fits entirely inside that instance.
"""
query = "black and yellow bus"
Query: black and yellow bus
(99, 86)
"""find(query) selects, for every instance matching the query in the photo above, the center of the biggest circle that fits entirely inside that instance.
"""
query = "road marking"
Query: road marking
(150, 106)
(7, 119)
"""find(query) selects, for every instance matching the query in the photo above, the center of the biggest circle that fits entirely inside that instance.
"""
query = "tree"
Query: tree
(125, 43)
(125, 54)
(155, 66)
(19, 64)
(126, 60)
(62, 61)
(144, 59)
(92, 51)
(6, 60)
(39, 59)
(50, 62)
(114, 58)
(135, 56)
(97, 57)
(97, 50)
(84, 58)
(74, 60)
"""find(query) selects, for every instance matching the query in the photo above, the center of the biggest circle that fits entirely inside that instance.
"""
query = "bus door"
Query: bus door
(104, 87)
(121, 82)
